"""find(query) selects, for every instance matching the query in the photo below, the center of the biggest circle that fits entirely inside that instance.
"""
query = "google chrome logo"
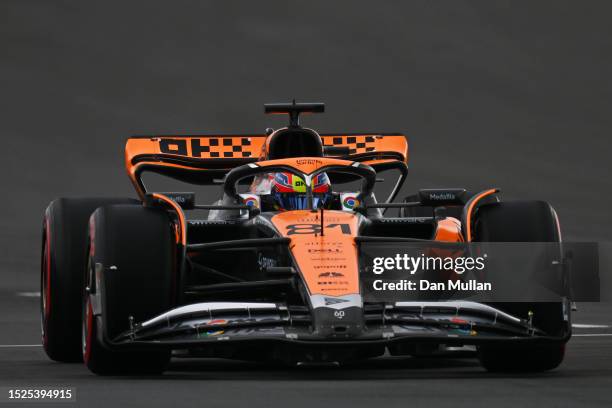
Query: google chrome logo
(350, 202)
(251, 202)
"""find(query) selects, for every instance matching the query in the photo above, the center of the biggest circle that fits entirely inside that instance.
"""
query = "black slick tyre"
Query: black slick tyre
(63, 262)
(131, 275)
(523, 221)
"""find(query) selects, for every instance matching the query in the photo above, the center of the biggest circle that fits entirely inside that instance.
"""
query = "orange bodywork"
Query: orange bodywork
(368, 143)
(224, 152)
(449, 230)
(196, 147)
(328, 262)
(181, 232)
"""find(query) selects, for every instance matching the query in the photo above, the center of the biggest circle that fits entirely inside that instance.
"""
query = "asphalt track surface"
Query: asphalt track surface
(511, 94)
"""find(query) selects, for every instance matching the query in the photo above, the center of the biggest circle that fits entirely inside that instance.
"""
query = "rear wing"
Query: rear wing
(205, 159)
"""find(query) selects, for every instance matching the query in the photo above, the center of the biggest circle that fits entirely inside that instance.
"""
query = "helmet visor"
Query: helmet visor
(296, 201)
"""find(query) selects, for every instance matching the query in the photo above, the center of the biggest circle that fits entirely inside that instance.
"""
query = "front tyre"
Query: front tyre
(522, 359)
(130, 276)
(524, 221)
(62, 269)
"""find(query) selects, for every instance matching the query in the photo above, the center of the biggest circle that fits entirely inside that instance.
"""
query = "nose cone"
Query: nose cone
(338, 323)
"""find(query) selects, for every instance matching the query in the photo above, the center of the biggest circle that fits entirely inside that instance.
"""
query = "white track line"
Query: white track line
(590, 326)
(28, 294)
(19, 345)
(592, 335)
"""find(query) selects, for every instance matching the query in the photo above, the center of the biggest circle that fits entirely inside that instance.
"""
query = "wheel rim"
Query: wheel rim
(87, 314)
(87, 329)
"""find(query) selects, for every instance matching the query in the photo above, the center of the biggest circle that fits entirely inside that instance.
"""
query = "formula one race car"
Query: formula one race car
(272, 270)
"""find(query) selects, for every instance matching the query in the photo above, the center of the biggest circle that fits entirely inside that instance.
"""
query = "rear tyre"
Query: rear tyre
(523, 221)
(62, 270)
(132, 248)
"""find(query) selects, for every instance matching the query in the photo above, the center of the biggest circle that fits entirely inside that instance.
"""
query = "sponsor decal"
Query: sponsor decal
(324, 250)
(315, 162)
(339, 314)
(334, 301)
(349, 201)
(211, 222)
(265, 262)
(217, 322)
(442, 196)
(213, 332)
(328, 266)
(316, 220)
(250, 200)
(331, 275)
(332, 279)
(461, 326)
(332, 283)
(207, 147)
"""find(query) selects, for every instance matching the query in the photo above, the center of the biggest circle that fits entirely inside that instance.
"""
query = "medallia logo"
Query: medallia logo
(441, 196)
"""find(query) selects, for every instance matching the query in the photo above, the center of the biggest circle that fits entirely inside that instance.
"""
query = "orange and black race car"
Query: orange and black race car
(273, 270)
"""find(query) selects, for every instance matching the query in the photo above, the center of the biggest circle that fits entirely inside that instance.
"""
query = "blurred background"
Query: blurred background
(512, 94)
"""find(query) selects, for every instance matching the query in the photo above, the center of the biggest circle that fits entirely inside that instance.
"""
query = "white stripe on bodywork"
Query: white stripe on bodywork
(210, 307)
(458, 305)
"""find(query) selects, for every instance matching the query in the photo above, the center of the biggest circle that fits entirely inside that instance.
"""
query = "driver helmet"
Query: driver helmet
(289, 191)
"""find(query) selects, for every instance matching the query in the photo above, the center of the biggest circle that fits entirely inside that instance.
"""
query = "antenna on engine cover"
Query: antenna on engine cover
(294, 110)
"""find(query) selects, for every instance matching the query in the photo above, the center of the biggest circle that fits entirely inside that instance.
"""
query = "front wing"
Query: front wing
(448, 323)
